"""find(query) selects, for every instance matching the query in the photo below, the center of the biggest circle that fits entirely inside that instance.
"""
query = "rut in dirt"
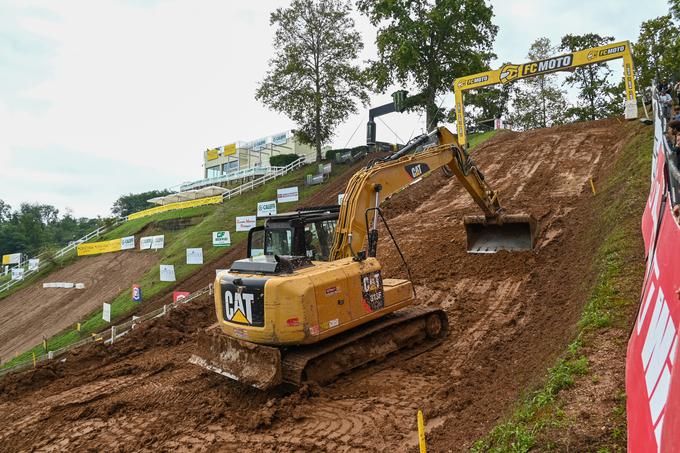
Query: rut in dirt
(510, 315)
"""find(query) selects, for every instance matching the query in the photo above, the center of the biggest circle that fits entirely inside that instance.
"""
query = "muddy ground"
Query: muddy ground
(27, 315)
(511, 315)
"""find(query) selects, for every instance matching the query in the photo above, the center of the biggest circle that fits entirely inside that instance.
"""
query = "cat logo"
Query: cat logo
(509, 72)
(239, 306)
(416, 170)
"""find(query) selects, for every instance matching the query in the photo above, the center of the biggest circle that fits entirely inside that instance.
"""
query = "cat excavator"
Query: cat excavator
(310, 302)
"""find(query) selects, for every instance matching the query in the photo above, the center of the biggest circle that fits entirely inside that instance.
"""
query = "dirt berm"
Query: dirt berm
(510, 316)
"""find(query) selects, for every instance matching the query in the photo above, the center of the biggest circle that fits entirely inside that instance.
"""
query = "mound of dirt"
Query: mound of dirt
(35, 311)
(510, 315)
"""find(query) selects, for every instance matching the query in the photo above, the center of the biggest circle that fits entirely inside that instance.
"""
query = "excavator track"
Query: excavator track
(413, 329)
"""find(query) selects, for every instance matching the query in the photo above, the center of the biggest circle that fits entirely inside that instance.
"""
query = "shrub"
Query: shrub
(282, 160)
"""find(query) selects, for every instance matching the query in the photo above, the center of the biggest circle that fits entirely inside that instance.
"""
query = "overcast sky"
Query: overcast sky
(102, 97)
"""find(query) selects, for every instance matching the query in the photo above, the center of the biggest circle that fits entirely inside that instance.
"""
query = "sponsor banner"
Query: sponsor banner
(127, 243)
(179, 205)
(136, 293)
(158, 242)
(280, 139)
(221, 239)
(33, 264)
(229, 149)
(266, 208)
(195, 256)
(287, 195)
(106, 312)
(212, 154)
(13, 258)
(652, 371)
(152, 242)
(245, 223)
(95, 248)
(17, 273)
(80, 285)
(340, 197)
(167, 273)
(178, 296)
(145, 243)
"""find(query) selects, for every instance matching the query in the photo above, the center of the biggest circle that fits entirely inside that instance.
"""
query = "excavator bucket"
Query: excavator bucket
(515, 232)
(252, 364)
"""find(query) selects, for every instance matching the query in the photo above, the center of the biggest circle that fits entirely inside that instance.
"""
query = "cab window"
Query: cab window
(278, 242)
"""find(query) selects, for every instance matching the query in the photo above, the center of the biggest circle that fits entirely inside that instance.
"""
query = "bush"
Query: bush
(282, 160)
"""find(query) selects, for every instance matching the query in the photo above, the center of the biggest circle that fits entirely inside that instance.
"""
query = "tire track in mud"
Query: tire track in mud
(509, 314)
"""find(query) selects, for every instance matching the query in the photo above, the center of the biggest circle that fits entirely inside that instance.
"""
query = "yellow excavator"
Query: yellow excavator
(310, 303)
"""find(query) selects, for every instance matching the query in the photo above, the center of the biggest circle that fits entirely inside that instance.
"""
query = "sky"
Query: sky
(107, 97)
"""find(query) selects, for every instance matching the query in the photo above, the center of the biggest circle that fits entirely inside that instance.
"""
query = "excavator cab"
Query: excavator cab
(307, 232)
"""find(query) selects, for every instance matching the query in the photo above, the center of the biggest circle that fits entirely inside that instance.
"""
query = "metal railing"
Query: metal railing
(233, 176)
(250, 185)
(107, 336)
(59, 253)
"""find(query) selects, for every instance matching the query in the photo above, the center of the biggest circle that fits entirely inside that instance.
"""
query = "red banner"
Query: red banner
(178, 296)
(652, 380)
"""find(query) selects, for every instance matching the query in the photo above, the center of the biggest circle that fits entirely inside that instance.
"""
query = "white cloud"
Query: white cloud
(146, 89)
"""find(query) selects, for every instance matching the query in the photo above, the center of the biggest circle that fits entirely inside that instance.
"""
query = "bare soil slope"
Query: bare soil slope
(510, 316)
(36, 311)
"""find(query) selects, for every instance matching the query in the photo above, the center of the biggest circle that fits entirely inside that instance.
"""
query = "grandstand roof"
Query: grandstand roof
(188, 195)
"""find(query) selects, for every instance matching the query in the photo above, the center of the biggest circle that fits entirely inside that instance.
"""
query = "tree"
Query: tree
(597, 97)
(674, 6)
(538, 101)
(134, 202)
(313, 77)
(657, 51)
(487, 103)
(429, 44)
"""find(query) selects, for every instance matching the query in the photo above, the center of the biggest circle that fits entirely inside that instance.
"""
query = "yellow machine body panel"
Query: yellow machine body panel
(313, 303)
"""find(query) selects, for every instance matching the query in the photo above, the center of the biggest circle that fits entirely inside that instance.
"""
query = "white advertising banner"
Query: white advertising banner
(151, 242)
(106, 312)
(158, 242)
(340, 197)
(145, 243)
(167, 273)
(245, 223)
(12, 258)
(266, 208)
(127, 243)
(195, 256)
(221, 239)
(17, 273)
(33, 264)
(287, 195)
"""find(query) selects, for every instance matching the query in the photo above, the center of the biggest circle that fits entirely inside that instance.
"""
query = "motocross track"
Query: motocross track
(27, 315)
(510, 316)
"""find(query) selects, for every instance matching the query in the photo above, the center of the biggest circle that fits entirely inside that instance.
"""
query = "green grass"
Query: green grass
(213, 218)
(613, 296)
(480, 137)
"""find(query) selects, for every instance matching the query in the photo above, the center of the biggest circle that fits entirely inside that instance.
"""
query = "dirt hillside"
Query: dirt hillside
(36, 311)
(510, 316)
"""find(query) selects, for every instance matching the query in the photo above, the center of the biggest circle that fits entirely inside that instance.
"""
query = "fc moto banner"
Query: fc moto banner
(114, 245)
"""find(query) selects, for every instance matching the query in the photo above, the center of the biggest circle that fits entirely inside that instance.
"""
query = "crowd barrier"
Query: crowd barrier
(652, 379)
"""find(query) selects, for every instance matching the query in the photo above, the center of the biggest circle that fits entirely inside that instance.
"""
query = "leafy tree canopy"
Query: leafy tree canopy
(314, 78)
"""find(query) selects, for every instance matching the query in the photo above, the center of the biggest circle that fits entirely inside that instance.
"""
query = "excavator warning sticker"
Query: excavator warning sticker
(373, 297)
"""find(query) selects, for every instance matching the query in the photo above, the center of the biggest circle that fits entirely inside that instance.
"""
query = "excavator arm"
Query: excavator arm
(370, 186)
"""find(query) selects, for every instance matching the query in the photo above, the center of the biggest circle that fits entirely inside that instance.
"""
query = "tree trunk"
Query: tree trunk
(431, 111)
